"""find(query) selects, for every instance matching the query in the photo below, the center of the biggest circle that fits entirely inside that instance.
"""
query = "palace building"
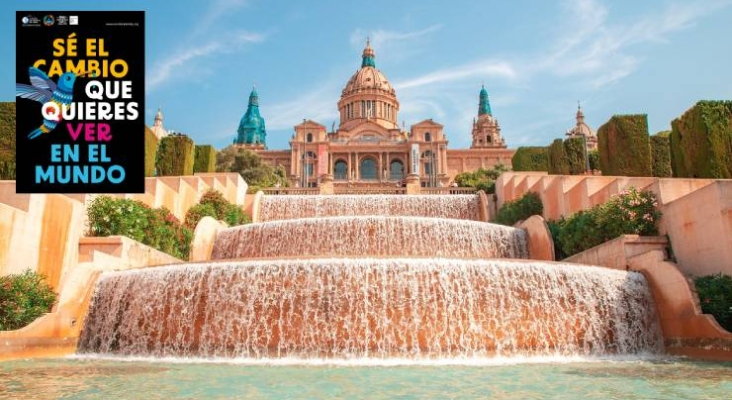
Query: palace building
(368, 147)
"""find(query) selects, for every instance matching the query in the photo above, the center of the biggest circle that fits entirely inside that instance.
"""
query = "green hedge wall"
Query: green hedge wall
(574, 150)
(175, 156)
(205, 159)
(530, 159)
(594, 157)
(7, 140)
(151, 151)
(558, 164)
(624, 146)
(701, 141)
(661, 154)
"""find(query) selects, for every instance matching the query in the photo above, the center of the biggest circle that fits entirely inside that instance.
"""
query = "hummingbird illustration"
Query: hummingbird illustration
(43, 90)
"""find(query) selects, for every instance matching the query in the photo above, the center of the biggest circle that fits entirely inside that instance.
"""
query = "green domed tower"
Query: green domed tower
(251, 127)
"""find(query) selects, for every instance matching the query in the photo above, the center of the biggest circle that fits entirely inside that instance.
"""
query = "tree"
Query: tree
(249, 165)
(482, 179)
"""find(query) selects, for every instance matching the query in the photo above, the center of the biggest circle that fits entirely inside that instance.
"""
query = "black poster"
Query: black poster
(80, 99)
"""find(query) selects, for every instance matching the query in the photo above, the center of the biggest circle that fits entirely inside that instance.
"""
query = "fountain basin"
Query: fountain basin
(371, 236)
(373, 307)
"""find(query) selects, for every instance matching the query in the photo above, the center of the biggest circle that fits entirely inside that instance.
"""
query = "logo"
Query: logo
(48, 20)
(30, 20)
(62, 20)
(74, 20)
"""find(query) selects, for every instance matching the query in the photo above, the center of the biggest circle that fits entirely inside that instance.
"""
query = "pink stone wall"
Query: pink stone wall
(697, 213)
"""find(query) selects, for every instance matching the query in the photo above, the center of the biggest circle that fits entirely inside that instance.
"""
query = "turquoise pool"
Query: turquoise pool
(76, 378)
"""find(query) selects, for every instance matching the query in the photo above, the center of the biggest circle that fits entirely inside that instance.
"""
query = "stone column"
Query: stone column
(326, 184)
(413, 186)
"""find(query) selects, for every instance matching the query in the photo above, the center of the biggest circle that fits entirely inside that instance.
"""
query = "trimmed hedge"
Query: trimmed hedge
(715, 297)
(701, 141)
(661, 154)
(7, 140)
(558, 163)
(624, 146)
(151, 151)
(574, 150)
(23, 298)
(205, 159)
(594, 157)
(518, 210)
(175, 156)
(530, 159)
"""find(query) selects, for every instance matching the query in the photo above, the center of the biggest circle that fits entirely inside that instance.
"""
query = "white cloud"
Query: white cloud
(500, 69)
(165, 69)
(318, 105)
(382, 38)
(216, 10)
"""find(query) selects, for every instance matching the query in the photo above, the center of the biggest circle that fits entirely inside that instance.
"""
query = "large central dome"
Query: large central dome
(368, 95)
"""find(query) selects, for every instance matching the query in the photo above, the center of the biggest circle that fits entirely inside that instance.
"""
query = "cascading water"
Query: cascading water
(330, 280)
(373, 236)
(295, 207)
(380, 308)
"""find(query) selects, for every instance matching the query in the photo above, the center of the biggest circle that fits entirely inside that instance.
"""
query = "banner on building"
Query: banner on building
(322, 160)
(415, 158)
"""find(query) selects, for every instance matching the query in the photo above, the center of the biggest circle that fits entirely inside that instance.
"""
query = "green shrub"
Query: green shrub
(558, 163)
(205, 159)
(7, 140)
(625, 149)
(661, 155)
(175, 156)
(555, 228)
(23, 298)
(530, 159)
(157, 228)
(213, 204)
(151, 151)
(482, 179)
(715, 297)
(518, 210)
(701, 141)
(629, 212)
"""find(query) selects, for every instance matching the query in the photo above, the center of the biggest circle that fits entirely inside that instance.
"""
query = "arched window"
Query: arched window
(488, 139)
(427, 137)
(309, 138)
(396, 170)
(368, 168)
(341, 170)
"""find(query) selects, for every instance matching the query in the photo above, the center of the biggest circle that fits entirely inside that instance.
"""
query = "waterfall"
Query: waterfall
(436, 206)
(373, 236)
(371, 307)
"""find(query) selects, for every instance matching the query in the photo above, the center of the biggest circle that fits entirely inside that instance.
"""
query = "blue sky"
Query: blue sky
(536, 58)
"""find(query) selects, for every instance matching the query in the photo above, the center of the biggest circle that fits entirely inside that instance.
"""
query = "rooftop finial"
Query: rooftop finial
(368, 55)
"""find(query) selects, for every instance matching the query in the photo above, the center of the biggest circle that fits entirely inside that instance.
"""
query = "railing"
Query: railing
(288, 191)
(370, 190)
(448, 190)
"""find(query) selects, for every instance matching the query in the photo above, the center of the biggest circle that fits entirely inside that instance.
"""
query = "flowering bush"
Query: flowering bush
(156, 228)
(23, 298)
(213, 204)
(715, 296)
(629, 212)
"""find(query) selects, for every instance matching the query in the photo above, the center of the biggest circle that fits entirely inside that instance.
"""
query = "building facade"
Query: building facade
(369, 148)
(582, 130)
